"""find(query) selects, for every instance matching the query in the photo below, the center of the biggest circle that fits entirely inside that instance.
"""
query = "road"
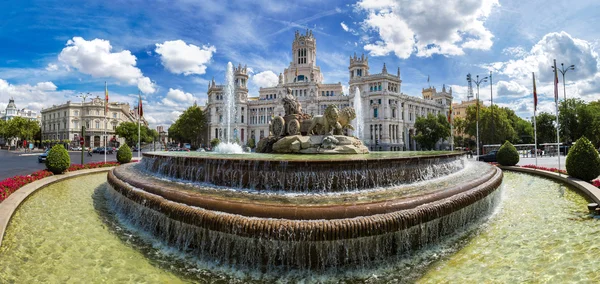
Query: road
(12, 164)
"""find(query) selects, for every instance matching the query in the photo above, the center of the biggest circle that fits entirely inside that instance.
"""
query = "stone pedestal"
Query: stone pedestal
(319, 144)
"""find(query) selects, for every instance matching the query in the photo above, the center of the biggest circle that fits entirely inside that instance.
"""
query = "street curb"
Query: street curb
(10, 205)
(584, 187)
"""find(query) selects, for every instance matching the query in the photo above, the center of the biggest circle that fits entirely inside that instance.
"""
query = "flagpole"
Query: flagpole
(105, 109)
(139, 118)
(534, 119)
(556, 106)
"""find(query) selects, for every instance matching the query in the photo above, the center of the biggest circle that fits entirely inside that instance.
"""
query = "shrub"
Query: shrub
(583, 161)
(58, 160)
(251, 143)
(507, 155)
(124, 154)
(215, 142)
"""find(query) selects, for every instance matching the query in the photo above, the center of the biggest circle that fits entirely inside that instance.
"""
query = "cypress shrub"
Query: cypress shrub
(124, 154)
(583, 161)
(507, 155)
(58, 160)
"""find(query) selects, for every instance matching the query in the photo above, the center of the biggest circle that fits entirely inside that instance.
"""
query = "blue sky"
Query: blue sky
(53, 50)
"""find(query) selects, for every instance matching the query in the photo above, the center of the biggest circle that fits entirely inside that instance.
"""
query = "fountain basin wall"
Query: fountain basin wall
(333, 175)
(305, 236)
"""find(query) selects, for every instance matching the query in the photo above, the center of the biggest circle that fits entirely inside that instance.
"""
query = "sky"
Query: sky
(53, 51)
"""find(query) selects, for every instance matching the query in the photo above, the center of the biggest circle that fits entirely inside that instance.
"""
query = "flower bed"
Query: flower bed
(76, 167)
(554, 170)
(10, 185)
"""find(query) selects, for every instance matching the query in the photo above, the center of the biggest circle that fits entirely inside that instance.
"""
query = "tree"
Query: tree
(129, 131)
(431, 129)
(189, 126)
(546, 130)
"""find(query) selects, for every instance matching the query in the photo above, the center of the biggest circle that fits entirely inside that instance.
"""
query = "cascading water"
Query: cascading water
(359, 120)
(229, 146)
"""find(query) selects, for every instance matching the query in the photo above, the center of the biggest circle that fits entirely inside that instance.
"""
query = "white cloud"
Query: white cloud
(581, 82)
(52, 67)
(506, 89)
(515, 51)
(427, 27)
(344, 26)
(265, 79)
(180, 96)
(42, 94)
(96, 59)
(181, 58)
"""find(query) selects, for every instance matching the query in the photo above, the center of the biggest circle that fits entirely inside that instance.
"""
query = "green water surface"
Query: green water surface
(541, 233)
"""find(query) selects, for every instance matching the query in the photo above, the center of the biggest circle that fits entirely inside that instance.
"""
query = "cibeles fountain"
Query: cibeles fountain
(327, 203)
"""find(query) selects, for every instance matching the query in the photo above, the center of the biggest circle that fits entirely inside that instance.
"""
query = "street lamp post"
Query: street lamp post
(477, 83)
(492, 108)
(83, 96)
(563, 71)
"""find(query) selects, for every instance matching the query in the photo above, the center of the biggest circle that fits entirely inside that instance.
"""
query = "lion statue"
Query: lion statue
(325, 124)
(346, 115)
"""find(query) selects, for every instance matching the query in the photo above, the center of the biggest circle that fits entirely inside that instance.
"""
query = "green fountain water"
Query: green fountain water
(65, 233)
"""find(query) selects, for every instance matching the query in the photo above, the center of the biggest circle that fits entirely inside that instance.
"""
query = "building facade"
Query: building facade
(389, 115)
(64, 122)
(12, 111)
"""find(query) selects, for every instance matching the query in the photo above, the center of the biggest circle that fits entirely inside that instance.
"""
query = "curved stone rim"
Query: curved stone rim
(308, 230)
(296, 211)
(10, 205)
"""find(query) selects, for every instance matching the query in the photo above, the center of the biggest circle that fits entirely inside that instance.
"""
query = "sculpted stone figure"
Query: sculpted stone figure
(291, 104)
(346, 115)
(325, 124)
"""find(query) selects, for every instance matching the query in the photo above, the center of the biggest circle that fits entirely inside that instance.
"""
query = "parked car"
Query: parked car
(96, 150)
(108, 150)
(489, 157)
(76, 148)
(43, 156)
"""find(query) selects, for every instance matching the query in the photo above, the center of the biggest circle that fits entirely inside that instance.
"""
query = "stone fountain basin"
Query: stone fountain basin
(305, 223)
(304, 173)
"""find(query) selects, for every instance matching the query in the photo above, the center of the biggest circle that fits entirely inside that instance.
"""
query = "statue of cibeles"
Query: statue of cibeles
(291, 104)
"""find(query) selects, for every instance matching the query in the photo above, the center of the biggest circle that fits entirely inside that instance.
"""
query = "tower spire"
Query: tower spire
(384, 70)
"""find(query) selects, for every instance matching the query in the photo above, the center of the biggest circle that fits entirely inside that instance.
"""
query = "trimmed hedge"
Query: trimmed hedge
(507, 155)
(58, 160)
(124, 154)
(583, 161)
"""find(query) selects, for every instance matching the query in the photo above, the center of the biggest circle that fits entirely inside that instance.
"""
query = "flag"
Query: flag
(450, 114)
(105, 99)
(140, 110)
(555, 82)
(534, 93)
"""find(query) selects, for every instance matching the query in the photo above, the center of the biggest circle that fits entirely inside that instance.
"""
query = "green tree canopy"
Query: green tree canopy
(189, 126)
(546, 129)
(431, 129)
(129, 131)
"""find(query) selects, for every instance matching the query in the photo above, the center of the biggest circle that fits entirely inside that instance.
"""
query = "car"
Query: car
(96, 150)
(76, 148)
(43, 156)
(489, 157)
(108, 150)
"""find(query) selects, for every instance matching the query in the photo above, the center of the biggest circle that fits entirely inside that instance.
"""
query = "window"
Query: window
(97, 124)
(359, 72)
(115, 114)
(375, 112)
(76, 113)
(379, 101)
(65, 113)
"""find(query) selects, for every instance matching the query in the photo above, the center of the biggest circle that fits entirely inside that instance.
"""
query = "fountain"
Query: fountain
(300, 211)
(229, 146)
(360, 120)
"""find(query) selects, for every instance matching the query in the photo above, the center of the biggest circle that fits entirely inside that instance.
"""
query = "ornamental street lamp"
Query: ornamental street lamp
(477, 82)
(83, 96)
(563, 71)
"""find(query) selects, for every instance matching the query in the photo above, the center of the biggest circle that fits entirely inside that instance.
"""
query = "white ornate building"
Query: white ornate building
(389, 115)
(12, 111)
(61, 122)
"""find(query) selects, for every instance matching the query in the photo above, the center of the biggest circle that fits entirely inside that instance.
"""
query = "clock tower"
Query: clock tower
(303, 68)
